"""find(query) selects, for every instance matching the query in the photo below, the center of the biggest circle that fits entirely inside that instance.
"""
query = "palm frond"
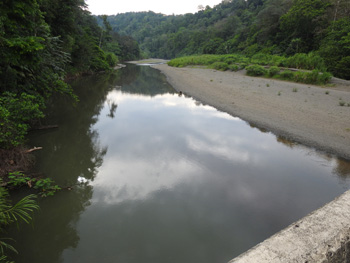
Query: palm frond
(4, 245)
(22, 209)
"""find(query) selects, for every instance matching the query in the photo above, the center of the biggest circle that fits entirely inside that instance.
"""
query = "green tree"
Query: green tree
(335, 48)
(17, 113)
(268, 19)
(212, 46)
(30, 59)
(31, 67)
(339, 9)
(62, 17)
(303, 21)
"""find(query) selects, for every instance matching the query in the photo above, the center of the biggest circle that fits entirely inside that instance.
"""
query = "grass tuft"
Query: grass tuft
(255, 65)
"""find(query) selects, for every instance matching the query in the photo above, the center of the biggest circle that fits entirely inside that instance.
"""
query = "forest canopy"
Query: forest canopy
(42, 42)
(274, 27)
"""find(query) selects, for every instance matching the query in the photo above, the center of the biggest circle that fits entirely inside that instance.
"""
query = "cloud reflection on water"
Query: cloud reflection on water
(165, 178)
(184, 182)
(154, 145)
(135, 168)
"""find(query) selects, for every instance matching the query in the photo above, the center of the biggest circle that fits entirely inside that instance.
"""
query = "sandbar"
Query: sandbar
(307, 114)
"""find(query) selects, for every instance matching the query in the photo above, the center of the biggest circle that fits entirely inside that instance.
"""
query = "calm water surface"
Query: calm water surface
(161, 178)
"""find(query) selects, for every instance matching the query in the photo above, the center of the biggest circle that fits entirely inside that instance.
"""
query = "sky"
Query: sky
(112, 7)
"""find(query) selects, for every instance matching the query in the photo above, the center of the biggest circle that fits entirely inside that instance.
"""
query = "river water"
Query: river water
(161, 178)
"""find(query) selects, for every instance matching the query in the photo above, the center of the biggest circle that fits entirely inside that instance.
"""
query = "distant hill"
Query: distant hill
(282, 27)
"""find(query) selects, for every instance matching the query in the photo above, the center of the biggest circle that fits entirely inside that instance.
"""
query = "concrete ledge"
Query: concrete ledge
(322, 236)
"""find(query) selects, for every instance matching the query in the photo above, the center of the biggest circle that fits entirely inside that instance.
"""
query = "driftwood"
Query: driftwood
(47, 127)
(34, 149)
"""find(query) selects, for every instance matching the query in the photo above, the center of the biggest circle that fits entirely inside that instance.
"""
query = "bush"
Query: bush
(207, 60)
(243, 65)
(234, 67)
(286, 74)
(256, 70)
(174, 63)
(235, 62)
(273, 71)
(324, 77)
(306, 61)
(229, 60)
(111, 59)
(297, 61)
(98, 60)
(220, 66)
(260, 58)
(17, 112)
(300, 76)
(276, 61)
(194, 60)
(342, 68)
(312, 77)
(315, 61)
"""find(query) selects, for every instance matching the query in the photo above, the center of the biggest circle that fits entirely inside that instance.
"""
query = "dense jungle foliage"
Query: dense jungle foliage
(42, 43)
(273, 27)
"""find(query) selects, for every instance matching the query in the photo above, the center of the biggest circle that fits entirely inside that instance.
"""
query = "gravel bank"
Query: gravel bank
(308, 114)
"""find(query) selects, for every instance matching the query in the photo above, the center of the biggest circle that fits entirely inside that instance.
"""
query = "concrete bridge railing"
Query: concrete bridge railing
(322, 236)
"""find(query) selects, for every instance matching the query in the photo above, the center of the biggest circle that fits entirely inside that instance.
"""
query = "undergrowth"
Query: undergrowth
(45, 186)
(260, 64)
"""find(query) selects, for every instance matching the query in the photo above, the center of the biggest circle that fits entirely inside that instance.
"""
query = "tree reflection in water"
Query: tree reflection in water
(205, 183)
(72, 155)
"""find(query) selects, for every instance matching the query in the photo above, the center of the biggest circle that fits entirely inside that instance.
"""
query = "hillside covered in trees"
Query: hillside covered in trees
(42, 43)
(280, 27)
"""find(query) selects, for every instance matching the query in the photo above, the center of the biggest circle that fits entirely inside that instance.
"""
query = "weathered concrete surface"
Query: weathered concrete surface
(322, 236)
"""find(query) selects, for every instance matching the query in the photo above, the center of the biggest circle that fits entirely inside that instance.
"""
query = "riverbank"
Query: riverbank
(308, 114)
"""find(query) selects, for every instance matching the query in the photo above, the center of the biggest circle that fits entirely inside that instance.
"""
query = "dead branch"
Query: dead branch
(34, 149)
(46, 127)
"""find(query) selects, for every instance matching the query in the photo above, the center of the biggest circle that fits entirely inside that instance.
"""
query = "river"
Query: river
(158, 177)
